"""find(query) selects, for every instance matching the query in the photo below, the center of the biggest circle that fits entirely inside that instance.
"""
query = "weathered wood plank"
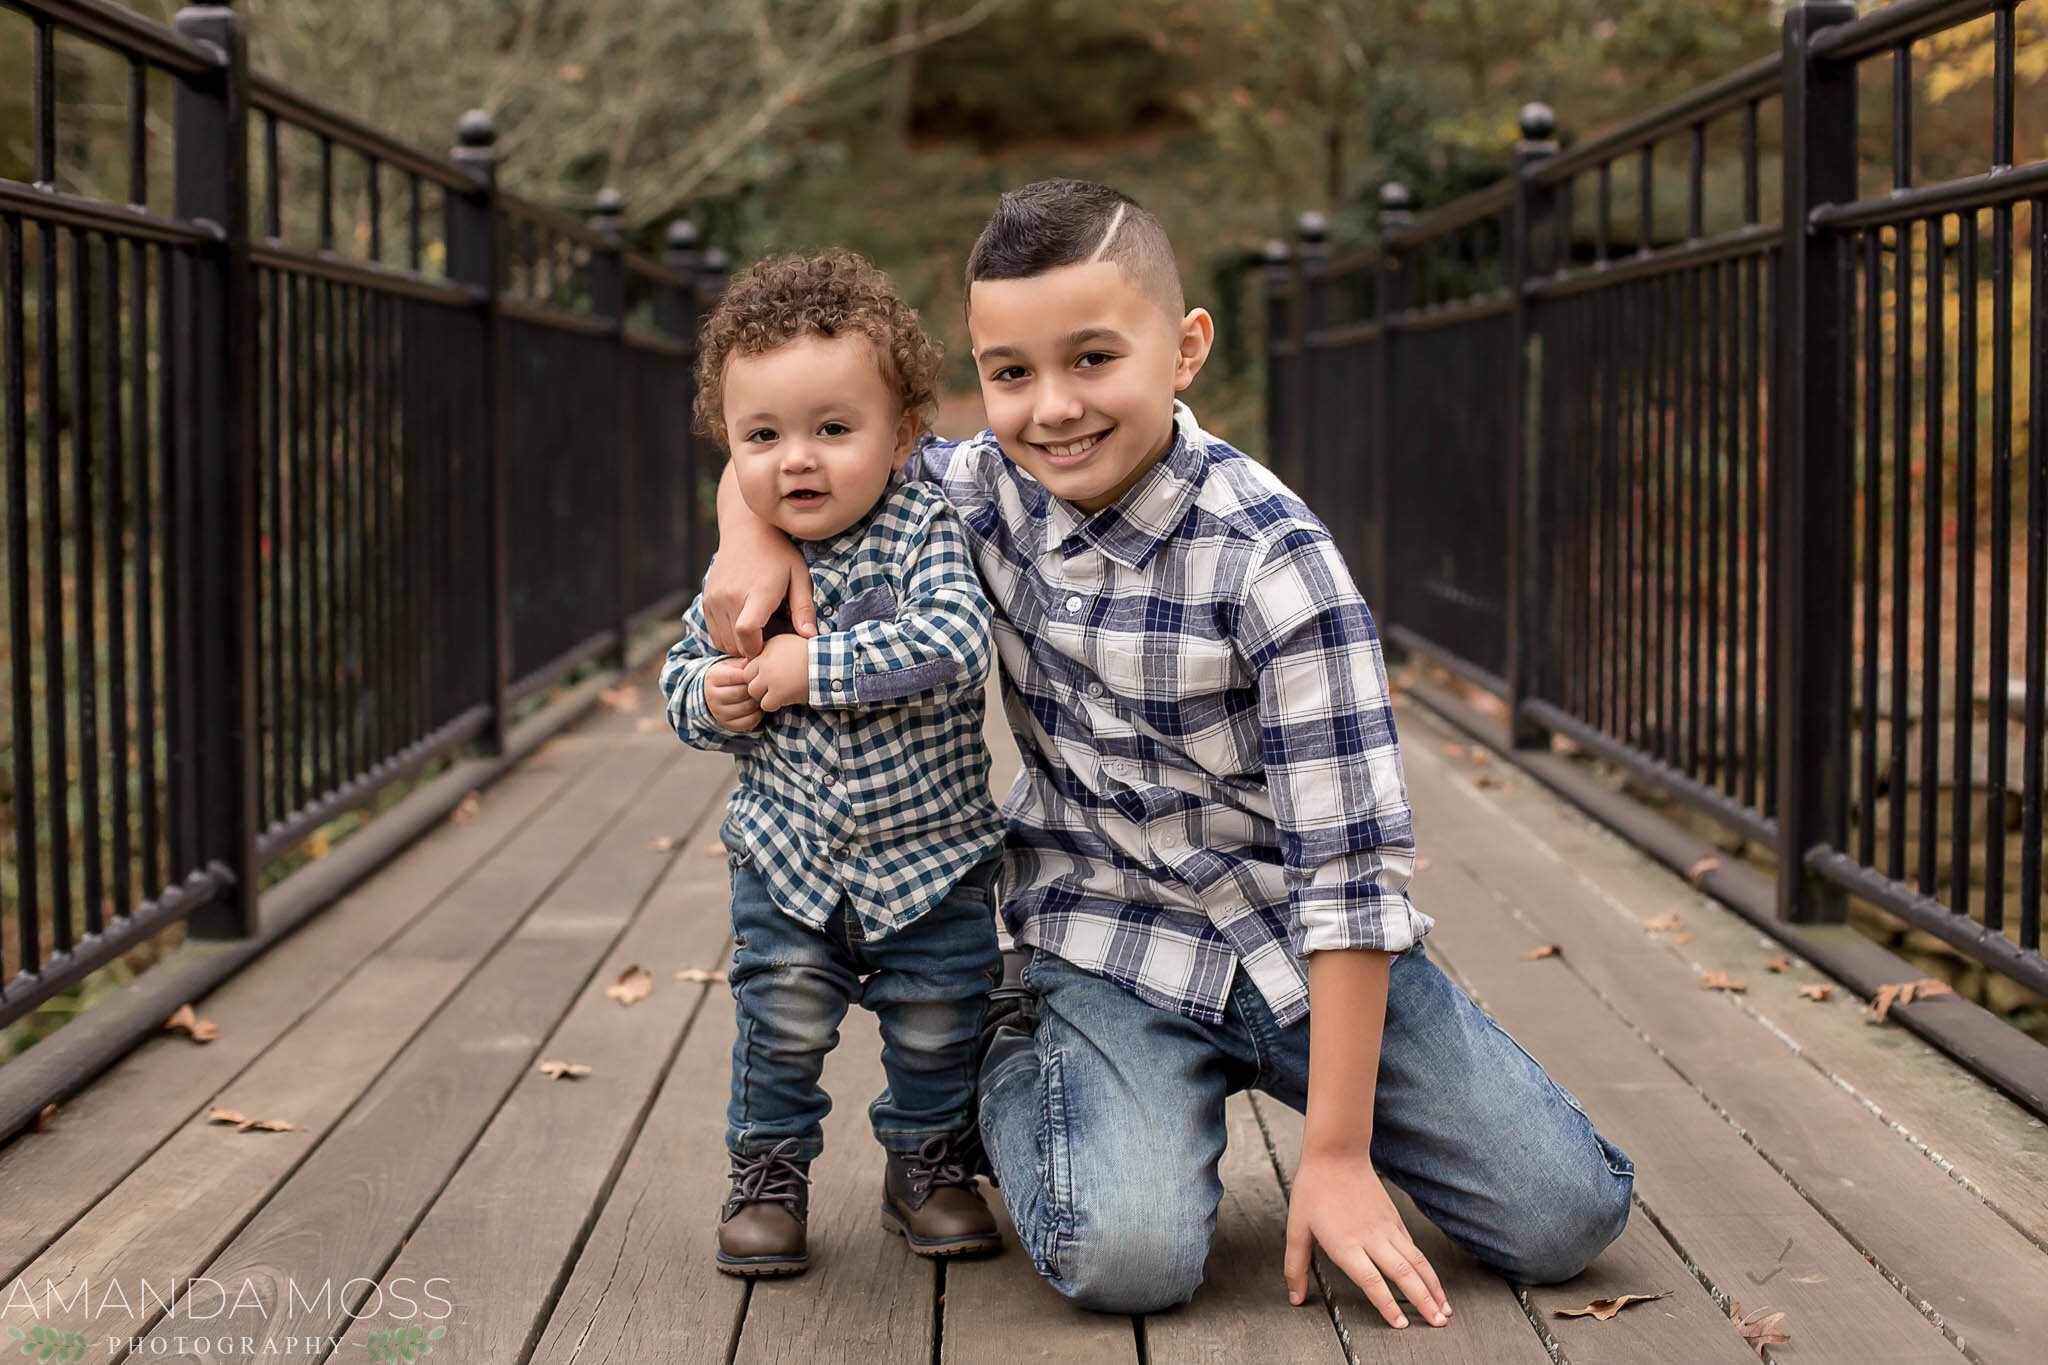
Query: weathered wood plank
(179, 1207)
(998, 1311)
(546, 1157)
(866, 1298)
(1487, 1322)
(1241, 1311)
(53, 1177)
(1688, 1326)
(345, 1211)
(1988, 1283)
(644, 1288)
(1727, 1211)
(1965, 1127)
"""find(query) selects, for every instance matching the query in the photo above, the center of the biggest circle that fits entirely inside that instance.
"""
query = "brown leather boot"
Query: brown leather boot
(761, 1229)
(929, 1198)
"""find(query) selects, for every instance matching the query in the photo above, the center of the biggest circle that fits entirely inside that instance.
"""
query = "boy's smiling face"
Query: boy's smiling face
(1078, 371)
(815, 430)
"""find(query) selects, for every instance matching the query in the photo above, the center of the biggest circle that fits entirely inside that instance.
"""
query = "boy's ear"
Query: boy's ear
(906, 438)
(1197, 335)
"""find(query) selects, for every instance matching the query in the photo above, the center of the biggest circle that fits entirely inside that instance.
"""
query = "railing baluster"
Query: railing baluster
(1930, 571)
(20, 630)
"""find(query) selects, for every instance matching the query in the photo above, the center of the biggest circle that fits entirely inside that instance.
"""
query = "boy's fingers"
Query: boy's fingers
(1429, 1278)
(1399, 1268)
(1299, 1245)
(1355, 1263)
(803, 613)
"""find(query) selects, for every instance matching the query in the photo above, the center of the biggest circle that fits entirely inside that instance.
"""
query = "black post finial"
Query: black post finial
(1396, 206)
(711, 272)
(1313, 228)
(476, 140)
(609, 217)
(682, 238)
(1537, 122)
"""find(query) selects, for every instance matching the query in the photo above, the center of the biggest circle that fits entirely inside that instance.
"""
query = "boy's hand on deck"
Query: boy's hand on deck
(780, 675)
(1339, 1204)
(727, 698)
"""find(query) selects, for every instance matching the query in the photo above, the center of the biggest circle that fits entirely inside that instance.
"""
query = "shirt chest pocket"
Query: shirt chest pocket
(1172, 668)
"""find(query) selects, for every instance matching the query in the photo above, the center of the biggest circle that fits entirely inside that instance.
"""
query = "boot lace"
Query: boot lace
(939, 1162)
(774, 1177)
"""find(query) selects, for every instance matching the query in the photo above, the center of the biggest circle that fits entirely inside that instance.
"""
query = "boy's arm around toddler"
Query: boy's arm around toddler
(684, 677)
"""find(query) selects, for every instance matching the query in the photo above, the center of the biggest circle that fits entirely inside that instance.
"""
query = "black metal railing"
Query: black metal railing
(1740, 485)
(311, 477)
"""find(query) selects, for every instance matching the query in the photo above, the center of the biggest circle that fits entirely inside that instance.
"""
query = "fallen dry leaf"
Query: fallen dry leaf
(699, 974)
(1698, 871)
(1809, 1279)
(1668, 922)
(558, 1070)
(318, 846)
(1487, 782)
(1720, 981)
(49, 1111)
(1759, 1329)
(1902, 993)
(1603, 1309)
(647, 725)
(1819, 990)
(623, 698)
(1422, 864)
(665, 843)
(1562, 746)
(467, 809)
(1545, 950)
(1777, 964)
(1456, 750)
(185, 1020)
(245, 1123)
(632, 986)
(1480, 755)
(713, 850)
(1683, 938)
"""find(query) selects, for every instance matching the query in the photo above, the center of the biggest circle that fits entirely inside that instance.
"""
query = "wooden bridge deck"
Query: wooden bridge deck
(1788, 1154)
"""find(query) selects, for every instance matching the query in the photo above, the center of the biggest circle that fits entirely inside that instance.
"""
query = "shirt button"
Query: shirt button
(842, 852)
(1074, 602)
(1095, 689)
(838, 685)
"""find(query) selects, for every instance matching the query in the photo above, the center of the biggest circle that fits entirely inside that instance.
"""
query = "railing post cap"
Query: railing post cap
(476, 129)
(716, 260)
(1537, 122)
(1312, 227)
(1274, 252)
(1395, 198)
(610, 202)
(682, 235)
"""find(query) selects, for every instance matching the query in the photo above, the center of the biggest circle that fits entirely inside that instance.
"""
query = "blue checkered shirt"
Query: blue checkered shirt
(1210, 779)
(876, 791)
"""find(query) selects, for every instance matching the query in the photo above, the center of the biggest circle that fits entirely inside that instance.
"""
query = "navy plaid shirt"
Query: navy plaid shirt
(1210, 778)
(877, 790)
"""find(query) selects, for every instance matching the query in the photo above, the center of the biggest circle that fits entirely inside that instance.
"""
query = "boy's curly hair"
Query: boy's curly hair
(830, 294)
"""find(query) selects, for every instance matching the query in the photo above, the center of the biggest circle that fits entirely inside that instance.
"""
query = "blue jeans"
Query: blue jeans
(1106, 1125)
(927, 983)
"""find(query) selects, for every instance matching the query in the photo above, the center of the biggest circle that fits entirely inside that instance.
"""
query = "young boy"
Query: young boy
(1208, 843)
(863, 844)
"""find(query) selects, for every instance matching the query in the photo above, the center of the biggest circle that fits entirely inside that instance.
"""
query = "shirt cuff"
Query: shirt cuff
(1336, 919)
(834, 674)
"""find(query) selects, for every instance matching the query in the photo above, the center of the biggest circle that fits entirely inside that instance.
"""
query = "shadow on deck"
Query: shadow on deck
(1788, 1154)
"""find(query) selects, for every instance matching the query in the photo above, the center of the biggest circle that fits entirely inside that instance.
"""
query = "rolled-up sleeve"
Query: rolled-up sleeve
(935, 641)
(1333, 767)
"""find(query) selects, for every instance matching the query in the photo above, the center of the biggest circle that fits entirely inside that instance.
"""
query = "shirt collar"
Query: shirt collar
(1133, 528)
(831, 548)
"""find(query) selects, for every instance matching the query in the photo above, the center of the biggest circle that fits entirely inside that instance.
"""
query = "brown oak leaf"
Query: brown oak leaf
(48, 1112)
(632, 986)
(558, 1070)
(1819, 990)
(1721, 981)
(466, 810)
(1683, 938)
(1668, 922)
(1603, 1309)
(1902, 993)
(666, 842)
(1759, 1329)
(1422, 864)
(622, 698)
(713, 850)
(699, 974)
(1543, 950)
(1697, 873)
(1487, 782)
(647, 725)
(187, 1021)
(244, 1123)
(1777, 964)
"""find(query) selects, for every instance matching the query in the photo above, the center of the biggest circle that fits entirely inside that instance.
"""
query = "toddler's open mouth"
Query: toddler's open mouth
(805, 497)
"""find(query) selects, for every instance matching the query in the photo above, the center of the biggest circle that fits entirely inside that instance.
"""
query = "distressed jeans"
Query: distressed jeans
(927, 983)
(1105, 1128)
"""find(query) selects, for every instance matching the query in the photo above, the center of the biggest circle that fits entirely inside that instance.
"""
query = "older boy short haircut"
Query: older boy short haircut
(1055, 223)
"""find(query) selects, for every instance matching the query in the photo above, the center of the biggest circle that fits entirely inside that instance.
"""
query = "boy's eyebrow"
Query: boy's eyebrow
(1069, 341)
